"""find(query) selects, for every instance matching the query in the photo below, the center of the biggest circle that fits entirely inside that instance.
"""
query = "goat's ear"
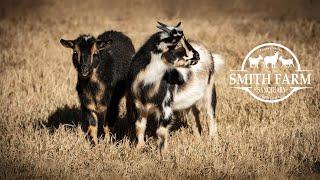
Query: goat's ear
(178, 24)
(67, 43)
(101, 44)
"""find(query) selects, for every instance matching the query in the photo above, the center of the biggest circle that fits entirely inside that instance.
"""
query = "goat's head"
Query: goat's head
(85, 53)
(170, 36)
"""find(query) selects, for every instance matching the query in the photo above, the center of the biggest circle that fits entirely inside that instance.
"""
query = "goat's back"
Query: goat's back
(119, 54)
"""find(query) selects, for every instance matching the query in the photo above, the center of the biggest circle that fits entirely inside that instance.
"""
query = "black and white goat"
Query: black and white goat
(103, 65)
(162, 84)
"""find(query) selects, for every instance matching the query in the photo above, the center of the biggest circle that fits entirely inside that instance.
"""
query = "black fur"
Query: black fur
(214, 100)
(173, 76)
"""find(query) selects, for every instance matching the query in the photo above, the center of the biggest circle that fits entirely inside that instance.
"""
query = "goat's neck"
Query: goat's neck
(155, 69)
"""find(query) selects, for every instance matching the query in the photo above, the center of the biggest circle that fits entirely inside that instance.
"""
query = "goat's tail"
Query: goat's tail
(218, 62)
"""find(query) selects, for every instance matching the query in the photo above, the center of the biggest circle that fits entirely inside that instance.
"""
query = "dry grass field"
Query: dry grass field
(40, 135)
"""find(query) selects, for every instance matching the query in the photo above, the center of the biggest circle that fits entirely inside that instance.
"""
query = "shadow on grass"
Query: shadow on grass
(70, 118)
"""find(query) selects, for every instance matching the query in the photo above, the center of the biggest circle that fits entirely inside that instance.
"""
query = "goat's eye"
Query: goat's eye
(174, 31)
(75, 55)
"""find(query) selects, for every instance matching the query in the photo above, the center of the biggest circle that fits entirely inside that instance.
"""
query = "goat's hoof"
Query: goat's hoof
(140, 146)
(107, 138)
(163, 149)
(164, 152)
(213, 137)
(93, 143)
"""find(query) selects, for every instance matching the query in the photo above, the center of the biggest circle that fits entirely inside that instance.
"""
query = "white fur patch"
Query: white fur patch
(163, 35)
(186, 98)
(154, 70)
(141, 124)
(163, 132)
(184, 72)
(87, 37)
(167, 111)
(189, 55)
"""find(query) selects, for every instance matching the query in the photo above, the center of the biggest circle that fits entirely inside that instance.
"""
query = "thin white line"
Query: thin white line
(241, 87)
(239, 70)
(304, 70)
(301, 87)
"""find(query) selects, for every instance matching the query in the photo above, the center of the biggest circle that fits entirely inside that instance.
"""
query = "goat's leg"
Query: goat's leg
(210, 105)
(141, 124)
(163, 129)
(107, 125)
(194, 112)
(110, 119)
(131, 110)
(92, 119)
(112, 111)
(211, 111)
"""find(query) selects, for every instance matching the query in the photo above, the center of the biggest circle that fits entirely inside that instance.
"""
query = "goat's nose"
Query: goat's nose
(84, 69)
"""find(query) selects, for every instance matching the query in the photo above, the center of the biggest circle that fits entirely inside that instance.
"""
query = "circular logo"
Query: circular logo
(270, 73)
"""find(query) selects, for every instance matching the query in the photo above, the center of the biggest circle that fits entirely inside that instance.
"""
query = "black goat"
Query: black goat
(103, 65)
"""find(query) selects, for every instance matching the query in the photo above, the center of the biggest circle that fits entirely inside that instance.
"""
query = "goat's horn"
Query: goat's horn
(163, 25)
(178, 24)
(164, 29)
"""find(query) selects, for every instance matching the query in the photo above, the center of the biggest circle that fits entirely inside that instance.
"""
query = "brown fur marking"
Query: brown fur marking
(94, 104)
(93, 132)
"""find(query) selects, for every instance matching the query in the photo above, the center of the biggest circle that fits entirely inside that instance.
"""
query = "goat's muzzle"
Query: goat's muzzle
(85, 70)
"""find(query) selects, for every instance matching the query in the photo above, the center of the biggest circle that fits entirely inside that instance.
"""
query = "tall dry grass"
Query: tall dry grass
(40, 135)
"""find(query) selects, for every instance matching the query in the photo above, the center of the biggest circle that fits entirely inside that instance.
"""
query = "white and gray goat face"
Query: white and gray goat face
(170, 36)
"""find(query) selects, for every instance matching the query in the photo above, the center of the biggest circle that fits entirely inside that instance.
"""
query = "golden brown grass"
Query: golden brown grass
(37, 93)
